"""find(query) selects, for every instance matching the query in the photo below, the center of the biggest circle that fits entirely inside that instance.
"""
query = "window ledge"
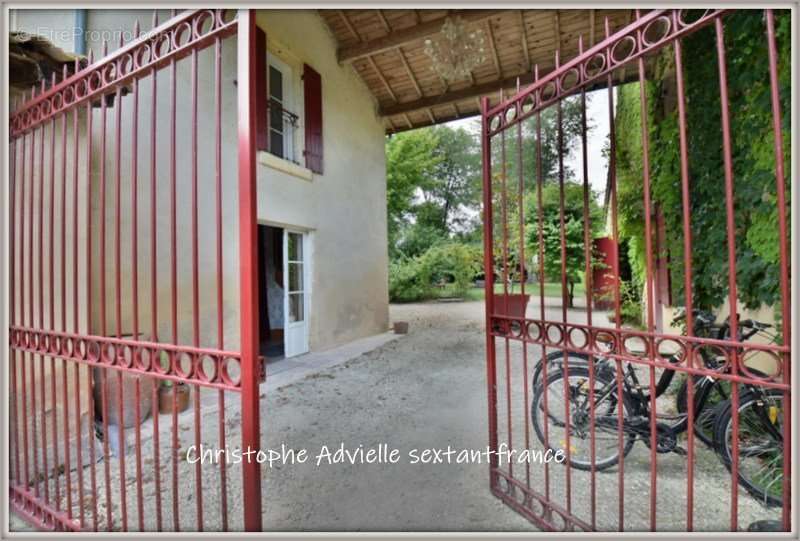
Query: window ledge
(285, 166)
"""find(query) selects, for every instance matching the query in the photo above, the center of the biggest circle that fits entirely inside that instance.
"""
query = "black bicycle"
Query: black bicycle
(635, 406)
(760, 430)
(709, 396)
(619, 408)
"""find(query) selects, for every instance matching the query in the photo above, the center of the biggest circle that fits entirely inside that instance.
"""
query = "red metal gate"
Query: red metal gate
(608, 478)
(121, 200)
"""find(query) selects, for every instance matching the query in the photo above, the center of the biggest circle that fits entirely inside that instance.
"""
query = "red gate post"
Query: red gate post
(786, 312)
(248, 276)
(488, 266)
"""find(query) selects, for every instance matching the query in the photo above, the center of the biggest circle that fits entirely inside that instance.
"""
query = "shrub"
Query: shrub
(408, 280)
(452, 264)
(631, 306)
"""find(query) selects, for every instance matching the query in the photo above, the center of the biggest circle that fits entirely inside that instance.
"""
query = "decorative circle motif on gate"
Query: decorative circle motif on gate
(511, 113)
(594, 66)
(141, 55)
(636, 345)
(190, 31)
(646, 34)
(671, 348)
(689, 17)
(533, 330)
(578, 337)
(230, 370)
(528, 103)
(554, 334)
(760, 365)
(714, 357)
(108, 353)
(203, 23)
(656, 30)
(603, 341)
(207, 368)
(623, 49)
(569, 80)
(183, 368)
(143, 360)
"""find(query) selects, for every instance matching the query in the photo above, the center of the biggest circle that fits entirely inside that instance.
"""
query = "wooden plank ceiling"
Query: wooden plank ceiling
(385, 47)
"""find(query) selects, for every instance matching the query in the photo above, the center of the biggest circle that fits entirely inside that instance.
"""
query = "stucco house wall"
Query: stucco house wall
(343, 209)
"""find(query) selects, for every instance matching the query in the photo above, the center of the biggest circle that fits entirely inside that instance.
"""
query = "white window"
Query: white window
(283, 120)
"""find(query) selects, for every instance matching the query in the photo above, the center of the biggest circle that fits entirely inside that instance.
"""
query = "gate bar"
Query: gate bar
(540, 231)
(687, 274)
(786, 311)
(248, 269)
(488, 250)
(730, 227)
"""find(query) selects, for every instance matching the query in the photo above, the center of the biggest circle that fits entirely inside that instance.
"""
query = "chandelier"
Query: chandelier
(457, 51)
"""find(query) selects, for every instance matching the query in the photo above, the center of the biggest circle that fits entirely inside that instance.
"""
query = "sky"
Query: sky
(596, 116)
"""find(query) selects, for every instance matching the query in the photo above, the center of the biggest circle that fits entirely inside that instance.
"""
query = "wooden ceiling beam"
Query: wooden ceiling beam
(491, 87)
(410, 73)
(524, 40)
(398, 38)
(457, 95)
(348, 24)
(383, 20)
(557, 30)
(493, 47)
(430, 116)
(382, 78)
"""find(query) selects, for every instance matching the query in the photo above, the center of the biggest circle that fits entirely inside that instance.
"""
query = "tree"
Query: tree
(433, 187)
(410, 163)
(571, 132)
(456, 181)
(574, 224)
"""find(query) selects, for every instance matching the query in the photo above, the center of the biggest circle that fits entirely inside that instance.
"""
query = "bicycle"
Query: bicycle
(709, 397)
(760, 431)
(707, 392)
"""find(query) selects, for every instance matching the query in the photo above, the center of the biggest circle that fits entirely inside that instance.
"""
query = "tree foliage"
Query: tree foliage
(451, 266)
(755, 209)
(433, 187)
(411, 159)
(575, 227)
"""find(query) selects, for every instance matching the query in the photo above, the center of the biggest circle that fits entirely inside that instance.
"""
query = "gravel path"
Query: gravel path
(425, 390)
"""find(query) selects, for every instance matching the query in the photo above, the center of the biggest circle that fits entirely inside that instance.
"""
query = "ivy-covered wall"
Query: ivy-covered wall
(757, 235)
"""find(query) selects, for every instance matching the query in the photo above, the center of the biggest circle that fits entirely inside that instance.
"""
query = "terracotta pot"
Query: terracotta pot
(401, 327)
(165, 397)
(112, 386)
(511, 305)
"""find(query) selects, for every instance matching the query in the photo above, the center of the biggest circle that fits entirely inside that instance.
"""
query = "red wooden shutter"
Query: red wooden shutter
(312, 86)
(261, 92)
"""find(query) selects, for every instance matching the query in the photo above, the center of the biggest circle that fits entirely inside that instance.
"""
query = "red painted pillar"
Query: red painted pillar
(604, 279)
(248, 264)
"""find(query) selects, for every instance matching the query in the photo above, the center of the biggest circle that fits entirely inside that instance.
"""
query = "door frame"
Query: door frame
(305, 235)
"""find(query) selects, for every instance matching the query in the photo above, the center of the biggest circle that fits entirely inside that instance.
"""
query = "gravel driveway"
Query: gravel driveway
(425, 390)
(429, 390)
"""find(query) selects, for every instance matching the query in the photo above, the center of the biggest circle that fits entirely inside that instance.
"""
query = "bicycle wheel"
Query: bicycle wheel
(760, 443)
(708, 395)
(606, 413)
(555, 361)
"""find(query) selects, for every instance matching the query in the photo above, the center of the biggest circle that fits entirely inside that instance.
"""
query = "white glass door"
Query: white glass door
(295, 287)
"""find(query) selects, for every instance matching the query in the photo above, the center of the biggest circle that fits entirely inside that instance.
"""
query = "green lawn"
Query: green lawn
(551, 289)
